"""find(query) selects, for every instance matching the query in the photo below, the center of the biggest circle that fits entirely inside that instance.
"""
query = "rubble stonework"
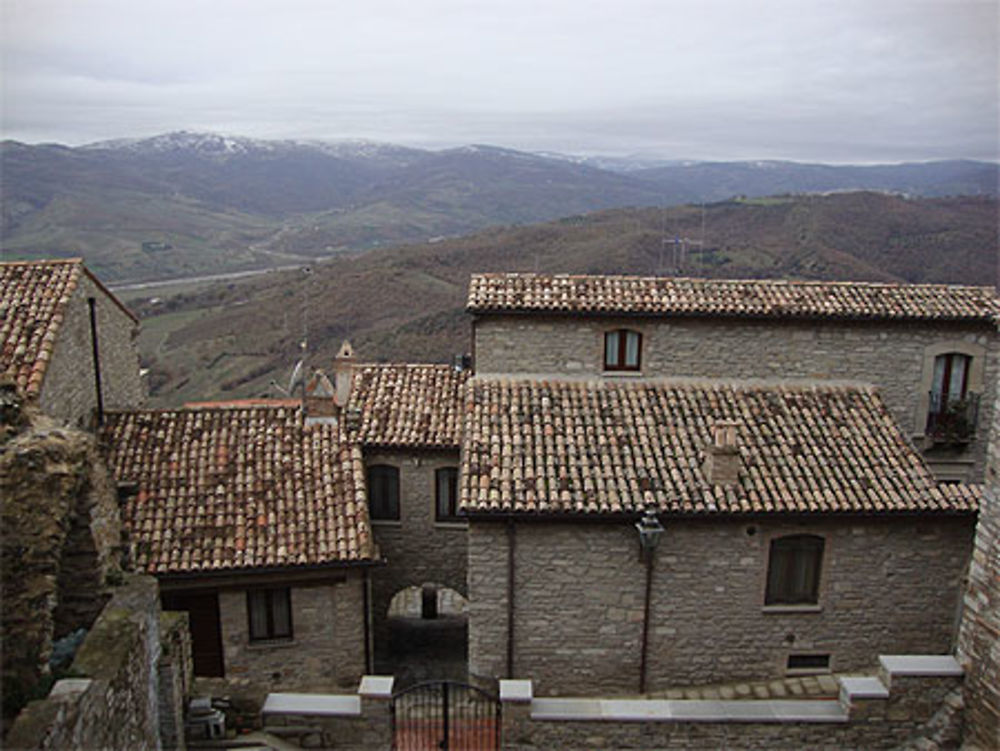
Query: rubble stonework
(60, 543)
(417, 549)
(112, 700)
(327, 650)
(979, 637)
(891, 355)
(578, 599)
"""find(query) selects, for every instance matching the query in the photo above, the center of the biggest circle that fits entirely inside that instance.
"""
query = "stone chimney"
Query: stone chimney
(318, 398)
(722, 458)
(343, 374)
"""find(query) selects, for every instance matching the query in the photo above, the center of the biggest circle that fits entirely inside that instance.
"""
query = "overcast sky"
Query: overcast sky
(811, 80)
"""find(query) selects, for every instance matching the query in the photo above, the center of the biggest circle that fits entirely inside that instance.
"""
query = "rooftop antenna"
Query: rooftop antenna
(296, 377)
(304, 345)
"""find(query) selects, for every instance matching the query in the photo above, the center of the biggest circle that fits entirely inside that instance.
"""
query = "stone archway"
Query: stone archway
(428, 634)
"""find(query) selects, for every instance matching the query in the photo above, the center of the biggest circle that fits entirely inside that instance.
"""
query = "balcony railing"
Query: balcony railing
(952, 421)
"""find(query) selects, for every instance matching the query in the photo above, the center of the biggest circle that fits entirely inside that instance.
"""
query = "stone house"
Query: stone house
(254, 520)
(311, 516)
(67, 342)
(801, 533)
(782, 433)
(931, 350)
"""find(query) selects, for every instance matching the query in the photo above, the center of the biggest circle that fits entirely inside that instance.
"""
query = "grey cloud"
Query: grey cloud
(808, 80)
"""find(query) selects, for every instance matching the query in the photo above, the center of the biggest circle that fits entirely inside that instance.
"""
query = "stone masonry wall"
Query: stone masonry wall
(60, 540)
(979, 638)
(68, 392)
(174, 676)
(887, 587)
(418, 549)
(327, 649)
(113, 704)
(891, 356)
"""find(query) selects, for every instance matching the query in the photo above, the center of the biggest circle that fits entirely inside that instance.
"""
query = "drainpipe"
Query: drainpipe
(511, 549)
(645, 624)
(366, 606)
(97, 359)
(650, 530)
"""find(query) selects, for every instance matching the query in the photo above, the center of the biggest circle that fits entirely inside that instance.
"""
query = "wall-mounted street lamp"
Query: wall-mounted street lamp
(650, 530)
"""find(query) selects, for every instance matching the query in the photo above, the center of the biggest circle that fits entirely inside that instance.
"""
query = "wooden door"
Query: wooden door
(206, 632)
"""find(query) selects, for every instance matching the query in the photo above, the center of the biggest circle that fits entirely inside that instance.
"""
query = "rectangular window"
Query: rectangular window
(952, 411)
(817, 663)
(793, 570)
(269, 612)
(446, 482)
(383, 492)
(622, 350)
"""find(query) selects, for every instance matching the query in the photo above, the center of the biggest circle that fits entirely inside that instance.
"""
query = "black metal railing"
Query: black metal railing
(952, 420)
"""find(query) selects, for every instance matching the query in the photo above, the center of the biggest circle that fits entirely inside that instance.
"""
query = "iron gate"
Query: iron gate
(445, 715)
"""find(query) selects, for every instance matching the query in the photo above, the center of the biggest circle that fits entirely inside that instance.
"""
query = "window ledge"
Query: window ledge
(462, 525)
(386, 523)
(793, 672)
(262, 644)
(621, 373)
(791, 609)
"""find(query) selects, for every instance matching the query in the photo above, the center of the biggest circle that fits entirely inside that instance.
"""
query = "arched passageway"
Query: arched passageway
(428, 635)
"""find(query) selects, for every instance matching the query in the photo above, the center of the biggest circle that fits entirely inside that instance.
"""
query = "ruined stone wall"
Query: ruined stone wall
(111, 702)
(327, 648)
(895, 357)
(60, 541)
(888, 586)
(68, 391)
(418, 549)
(979, 638)
(174, 676)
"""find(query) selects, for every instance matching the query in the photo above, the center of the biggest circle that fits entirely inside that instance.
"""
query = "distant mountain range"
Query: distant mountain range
(185, 204)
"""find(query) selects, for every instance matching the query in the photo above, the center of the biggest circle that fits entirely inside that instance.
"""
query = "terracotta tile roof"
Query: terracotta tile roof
(33, 300)
(407, 405)
(605, 448)
(522, 293)
(241, 487)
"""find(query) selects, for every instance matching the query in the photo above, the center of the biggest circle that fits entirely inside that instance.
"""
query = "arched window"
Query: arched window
(383, 492)
(622, 349)
(793, 570)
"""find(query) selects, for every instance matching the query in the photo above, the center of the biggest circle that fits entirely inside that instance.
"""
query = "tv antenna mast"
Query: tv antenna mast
(296, 378)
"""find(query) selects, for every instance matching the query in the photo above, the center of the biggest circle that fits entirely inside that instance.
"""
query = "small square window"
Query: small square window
(446, 494)
(622, 349)
(269, 612)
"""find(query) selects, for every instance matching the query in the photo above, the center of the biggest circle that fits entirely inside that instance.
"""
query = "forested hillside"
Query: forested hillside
(406, 303)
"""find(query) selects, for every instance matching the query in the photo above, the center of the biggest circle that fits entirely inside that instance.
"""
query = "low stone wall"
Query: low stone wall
(359, 721)
(113, 702)
(872, 713)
